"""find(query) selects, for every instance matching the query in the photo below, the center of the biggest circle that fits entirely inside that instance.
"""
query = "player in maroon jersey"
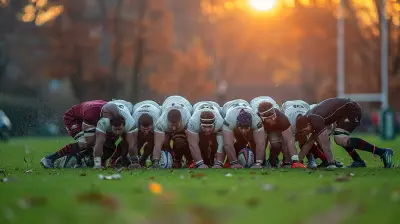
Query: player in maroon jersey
(346, 114)
(80, 121)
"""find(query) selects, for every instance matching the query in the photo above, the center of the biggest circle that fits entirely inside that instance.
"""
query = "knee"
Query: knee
(341, 140)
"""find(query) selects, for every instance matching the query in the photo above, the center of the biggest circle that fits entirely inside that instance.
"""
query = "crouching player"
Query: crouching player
(176, 112)
(116, 122)
(146, 113)
(247, 126)
(346, 113)
(204, 134)
(80, 121)
(279, 132)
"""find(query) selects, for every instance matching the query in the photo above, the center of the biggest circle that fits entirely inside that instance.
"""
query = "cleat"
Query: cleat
(47, 163)
(339, 164)
(386, 158)
(298, 165)
(331, 167)
(357, 164)
(312, 164)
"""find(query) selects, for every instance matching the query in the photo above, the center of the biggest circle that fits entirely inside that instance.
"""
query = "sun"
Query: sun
(263, 5)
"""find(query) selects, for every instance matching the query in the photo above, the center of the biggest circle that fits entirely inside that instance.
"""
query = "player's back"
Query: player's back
(77, 111)
(330, 106)
(173, 100)
(234, 103)
(256, 102)
(147, 107)
(129, 105)
(295, 104)
(207, 104)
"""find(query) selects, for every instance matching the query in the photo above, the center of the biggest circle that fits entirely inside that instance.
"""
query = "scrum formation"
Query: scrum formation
(179, 134)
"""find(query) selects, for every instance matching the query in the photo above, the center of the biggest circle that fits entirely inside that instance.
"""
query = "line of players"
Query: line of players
(205, 134)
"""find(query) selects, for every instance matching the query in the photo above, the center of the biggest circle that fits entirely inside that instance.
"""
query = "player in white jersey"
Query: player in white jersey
(279, 132)
(292, 110)
(176, 112)
(146, 113)
(127, 104)
(116, 122)
(204, 133)
(242, 123)
(177, 100)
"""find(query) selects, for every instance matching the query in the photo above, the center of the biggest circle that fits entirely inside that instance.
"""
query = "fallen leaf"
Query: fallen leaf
(265, 173)
(83, 174)
(228, 175)
(155, 188)
(343, 178)
(252, 202)
(197, 175)
(268, 187)
(252, 172)
(151, 178)
(28, 171)
(100, 199)
(28, 202)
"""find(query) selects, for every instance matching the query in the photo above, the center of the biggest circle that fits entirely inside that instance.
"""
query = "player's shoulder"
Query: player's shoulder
(103, 124)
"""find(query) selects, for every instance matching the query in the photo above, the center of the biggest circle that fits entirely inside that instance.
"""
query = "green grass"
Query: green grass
(372, 195)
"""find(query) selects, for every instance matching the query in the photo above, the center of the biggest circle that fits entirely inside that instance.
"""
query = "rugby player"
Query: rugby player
(116, 122)
(279, 132)
(204, 134)
(346, 113)
(242, 123)
(292, 110)
(146, 113)
(176, 112)
(80, 121)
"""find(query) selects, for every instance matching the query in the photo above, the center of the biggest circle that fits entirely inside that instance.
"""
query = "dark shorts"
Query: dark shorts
(180, 147)
(348, 123)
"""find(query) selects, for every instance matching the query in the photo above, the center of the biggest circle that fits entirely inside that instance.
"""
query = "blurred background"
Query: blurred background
(57, 53)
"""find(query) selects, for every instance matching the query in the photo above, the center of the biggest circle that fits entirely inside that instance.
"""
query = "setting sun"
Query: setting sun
(263, 5)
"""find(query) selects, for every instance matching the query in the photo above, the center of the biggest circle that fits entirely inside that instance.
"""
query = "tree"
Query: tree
(185, 73)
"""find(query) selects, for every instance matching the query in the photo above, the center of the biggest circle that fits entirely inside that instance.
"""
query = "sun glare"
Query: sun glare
(263, 5)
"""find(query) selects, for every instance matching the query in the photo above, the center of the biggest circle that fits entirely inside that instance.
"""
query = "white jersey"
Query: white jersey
(147, 107)
(177, 100)
(194, 122)
(258, 100)
(202, 104)
(103, 125)
(129, 105)
(230, 121)
(292, 109)
(233, 103)
(312, 106)
(162, 123)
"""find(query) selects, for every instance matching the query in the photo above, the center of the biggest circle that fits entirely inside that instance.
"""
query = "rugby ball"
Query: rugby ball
(166, 160)
(69, 161)
(246, 158)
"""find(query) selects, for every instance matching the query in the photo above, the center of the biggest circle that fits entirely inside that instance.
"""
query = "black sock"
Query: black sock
(358, 143)
(354, 155)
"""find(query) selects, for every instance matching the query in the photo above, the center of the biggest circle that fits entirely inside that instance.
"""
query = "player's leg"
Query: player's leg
(75, 131)
(342, 137)
(275, 140)
(147, 143)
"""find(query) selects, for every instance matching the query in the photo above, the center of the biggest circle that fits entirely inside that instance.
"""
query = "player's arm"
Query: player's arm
(289, 143)
(131, 139)
(193, 140)
(259, 140)
(98, 148)
(159, 138)
(229, 138)
(89, 133)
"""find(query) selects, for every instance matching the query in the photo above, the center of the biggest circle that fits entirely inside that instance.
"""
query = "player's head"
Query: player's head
(303, 124)
(145, 123)
(244, 122)
(207, 120)
(117, 124)
(174, 119)
(267, 113)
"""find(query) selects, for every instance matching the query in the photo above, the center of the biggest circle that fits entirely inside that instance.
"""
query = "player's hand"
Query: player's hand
(236, 166)
(134, 166)
(256, 166)
(204, 166)
(98, 167)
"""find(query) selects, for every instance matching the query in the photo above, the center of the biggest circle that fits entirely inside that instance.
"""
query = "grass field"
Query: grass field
(370, 195)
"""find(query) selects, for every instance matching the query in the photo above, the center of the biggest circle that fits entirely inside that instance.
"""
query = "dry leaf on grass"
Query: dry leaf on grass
(100, 199)
(28, 202)
(253, 202)
(197, 175)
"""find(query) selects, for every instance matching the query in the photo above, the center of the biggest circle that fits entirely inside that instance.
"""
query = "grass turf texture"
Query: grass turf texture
(366, 195)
